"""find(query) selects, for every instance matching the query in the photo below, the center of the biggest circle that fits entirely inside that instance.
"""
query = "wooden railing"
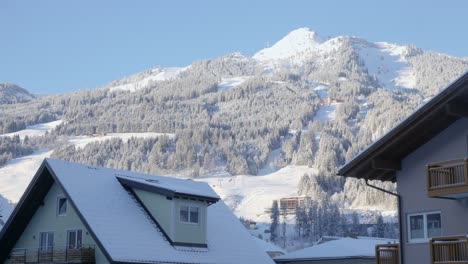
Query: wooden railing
(445, 250)
(387, 254)
(84, 254)
(447, 178)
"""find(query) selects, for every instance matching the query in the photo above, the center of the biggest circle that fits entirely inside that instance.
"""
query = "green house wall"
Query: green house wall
(45, 219)
(166, 212)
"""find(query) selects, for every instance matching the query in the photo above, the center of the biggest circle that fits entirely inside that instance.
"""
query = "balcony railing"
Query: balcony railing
(387, 254)
(448, 178)
(85, 254)
(449, 250)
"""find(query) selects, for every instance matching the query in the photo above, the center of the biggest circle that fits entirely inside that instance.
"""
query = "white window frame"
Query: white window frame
(47, 248)
(76, 238)
(424, 215)
(190, 206)
(58, 205)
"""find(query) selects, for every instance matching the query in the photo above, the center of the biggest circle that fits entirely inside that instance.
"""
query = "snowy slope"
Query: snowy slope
(249, 196)
(145, 79)
(35, 130)
(302, 40)
(385, 61)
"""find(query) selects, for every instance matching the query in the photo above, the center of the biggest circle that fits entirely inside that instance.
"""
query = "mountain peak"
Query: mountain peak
(297, 41)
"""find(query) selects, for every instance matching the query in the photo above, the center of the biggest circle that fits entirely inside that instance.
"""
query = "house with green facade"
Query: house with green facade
(73, 213)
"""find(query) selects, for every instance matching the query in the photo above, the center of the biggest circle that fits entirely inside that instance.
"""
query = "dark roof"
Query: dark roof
(382, 159)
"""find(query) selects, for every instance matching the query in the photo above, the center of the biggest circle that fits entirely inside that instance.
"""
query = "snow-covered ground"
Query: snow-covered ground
(82, 141)
(35, 130)
(228, 83)
(326, 112)
(17, 173)
(134, 83)
(249, 196)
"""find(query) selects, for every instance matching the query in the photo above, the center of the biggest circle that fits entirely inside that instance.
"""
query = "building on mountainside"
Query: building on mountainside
(289, 205)
(82, 214)
(426, 155)
(360, 250)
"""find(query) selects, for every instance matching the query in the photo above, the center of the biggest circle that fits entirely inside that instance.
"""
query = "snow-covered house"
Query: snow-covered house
(346, 250)
(82, 214)
(427, 156)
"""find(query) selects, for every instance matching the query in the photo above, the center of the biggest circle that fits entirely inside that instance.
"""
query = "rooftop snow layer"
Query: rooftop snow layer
(128, 235)
(172, 184)
(347, 247)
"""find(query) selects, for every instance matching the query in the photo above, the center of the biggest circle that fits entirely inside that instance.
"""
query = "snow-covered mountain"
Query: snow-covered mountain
(11, 93)
(257, 129)
(384, 61)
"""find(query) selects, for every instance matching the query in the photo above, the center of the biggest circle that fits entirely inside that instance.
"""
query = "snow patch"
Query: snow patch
(229, 83)
(35, 130)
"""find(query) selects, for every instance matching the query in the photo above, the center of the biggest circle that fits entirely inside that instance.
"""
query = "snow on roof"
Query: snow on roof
(267, 246)
(126, 233)
(347, 247)
(172, 184)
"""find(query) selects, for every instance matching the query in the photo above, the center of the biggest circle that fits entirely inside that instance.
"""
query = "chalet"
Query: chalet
(73, 213)
(288, 205)
(360, 250)
(426, 155)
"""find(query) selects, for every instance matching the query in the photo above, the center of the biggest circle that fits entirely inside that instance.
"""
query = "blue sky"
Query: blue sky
(59, 46)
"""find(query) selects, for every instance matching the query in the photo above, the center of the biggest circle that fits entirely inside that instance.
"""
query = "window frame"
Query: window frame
(58, 205)
(47, 248)
(426, 238)
(74, 230)
(189, 206)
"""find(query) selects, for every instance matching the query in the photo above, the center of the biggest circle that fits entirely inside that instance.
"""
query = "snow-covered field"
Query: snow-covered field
(35, 130)
(82, 141)
(249, 196)
(228, 83)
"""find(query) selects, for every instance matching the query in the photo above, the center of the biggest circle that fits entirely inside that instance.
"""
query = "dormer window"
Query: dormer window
(189, 214)
(61, 206)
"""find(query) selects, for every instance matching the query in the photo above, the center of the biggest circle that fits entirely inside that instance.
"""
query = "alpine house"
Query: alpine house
(73, 213)
(427, 156)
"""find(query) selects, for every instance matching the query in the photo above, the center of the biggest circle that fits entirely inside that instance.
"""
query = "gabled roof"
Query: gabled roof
(344, 248)
(118, 225)
(382, 159)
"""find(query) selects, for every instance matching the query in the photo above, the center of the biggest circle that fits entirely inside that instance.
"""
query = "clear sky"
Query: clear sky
(54, 46)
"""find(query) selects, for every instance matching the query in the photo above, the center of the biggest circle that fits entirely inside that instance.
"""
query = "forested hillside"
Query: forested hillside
(316, 106)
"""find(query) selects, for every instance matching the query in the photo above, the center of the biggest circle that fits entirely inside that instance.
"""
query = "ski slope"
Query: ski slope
(249, 196)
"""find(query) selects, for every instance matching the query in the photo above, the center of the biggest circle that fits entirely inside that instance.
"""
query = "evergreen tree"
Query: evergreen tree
(274, 216)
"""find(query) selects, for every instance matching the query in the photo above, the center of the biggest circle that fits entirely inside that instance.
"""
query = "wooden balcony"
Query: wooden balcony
(448, 179)
(445, 250)
(387, 254)
(84, 254)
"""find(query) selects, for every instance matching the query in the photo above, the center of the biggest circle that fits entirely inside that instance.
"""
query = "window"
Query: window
(46, 241)
(61, 206)
(423, 226)
(189, 214)
(74, 239)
